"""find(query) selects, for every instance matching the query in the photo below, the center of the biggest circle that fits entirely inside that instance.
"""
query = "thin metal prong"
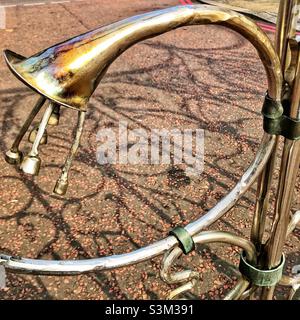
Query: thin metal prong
(31, 163)
(14, 155)
(54, 118)
(62, 183)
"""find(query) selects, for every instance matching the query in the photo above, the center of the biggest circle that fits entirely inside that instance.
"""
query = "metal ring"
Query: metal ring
(259, 277)
(185, 240)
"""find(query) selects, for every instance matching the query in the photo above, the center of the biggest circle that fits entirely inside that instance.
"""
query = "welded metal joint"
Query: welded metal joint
(186, 242)
(260, 277)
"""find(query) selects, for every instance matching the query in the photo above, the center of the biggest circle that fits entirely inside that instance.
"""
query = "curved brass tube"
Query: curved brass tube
(60, 267)
(191, 276)
(238, 290)
(68, 73)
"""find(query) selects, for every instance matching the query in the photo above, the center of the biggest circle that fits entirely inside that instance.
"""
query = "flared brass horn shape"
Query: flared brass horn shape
(69, 72)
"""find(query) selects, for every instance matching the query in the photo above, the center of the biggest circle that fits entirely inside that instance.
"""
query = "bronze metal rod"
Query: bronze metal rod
(290, 162)
(238, 290)
(283, 20)
(192, 276)
(62, 183)
(295, 97)
(287, 180)
(265, 180)
(263, 200)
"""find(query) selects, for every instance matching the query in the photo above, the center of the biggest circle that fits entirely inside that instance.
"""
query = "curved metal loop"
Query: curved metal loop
(86, 58)
(63, 267)
(191, 278)
(293, 282)
(101, 47)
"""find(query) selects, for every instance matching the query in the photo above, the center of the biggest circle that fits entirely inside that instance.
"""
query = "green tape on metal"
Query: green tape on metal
(272, 109)
(185, 240)
(258, 277)
(284, 126)
(275, 122)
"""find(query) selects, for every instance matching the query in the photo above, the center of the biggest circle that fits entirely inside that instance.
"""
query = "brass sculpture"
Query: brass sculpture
(67, 75)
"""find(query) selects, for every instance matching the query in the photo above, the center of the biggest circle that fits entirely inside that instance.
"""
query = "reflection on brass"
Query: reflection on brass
(32, 162)
(33, 134)
(54, 118)
(68, 73)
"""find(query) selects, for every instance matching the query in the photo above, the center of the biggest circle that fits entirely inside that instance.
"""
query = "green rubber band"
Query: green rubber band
(185, 240)
(258, 277)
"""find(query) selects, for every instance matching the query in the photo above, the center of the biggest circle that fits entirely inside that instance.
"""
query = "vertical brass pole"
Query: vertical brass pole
(283, 21)
(290, 157)
(262, 203)
(265, 180)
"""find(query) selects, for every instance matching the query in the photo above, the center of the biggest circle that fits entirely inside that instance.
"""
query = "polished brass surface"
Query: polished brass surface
(68, 73)
(270, 6)
(266, 178)
(283, 21)
(13, 157)
(31, 165)
(33, 134)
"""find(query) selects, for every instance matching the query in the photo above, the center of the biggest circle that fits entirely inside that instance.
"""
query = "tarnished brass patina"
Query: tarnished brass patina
(67, 75)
